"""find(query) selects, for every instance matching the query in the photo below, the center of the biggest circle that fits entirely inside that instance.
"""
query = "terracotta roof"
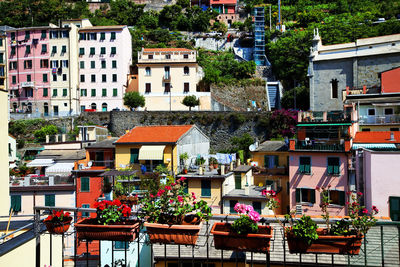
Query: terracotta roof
(377, 137)
(172, 49)
(155, 134)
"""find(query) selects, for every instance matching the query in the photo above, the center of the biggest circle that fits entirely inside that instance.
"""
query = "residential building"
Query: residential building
(259, 36)
(105, 56)
(319, 157)
(3, 56)
(271, 171)
(227, 11)
(160, 145)
(167, 75)
(4, 171)
(12, 151)
(358, 64)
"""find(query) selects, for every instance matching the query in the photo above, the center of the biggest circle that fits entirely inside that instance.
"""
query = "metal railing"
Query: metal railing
(302, 145)
(380, 119)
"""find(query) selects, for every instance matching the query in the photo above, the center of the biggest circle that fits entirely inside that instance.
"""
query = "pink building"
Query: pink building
(28, 65)
(227, 10)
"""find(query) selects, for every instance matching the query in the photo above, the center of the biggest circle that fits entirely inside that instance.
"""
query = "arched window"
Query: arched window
(186, 70)
(104, 107)
(93, 106)
(148, 71)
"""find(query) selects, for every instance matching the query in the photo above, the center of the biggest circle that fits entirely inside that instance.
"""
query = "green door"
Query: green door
(394, 206)
(238, 181)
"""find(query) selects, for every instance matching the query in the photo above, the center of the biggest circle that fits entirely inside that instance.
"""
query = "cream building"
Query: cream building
(167, 75)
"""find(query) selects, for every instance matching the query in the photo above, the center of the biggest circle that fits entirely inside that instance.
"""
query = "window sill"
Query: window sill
(309, 204)
(205, 196)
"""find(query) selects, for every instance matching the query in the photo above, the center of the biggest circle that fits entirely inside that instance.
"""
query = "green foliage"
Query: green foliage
(184, 156)
(302, 98)
(161, 169)
(244, 225)
(134, 100)
(237, 119)
(341, 227)
(242, 143)
(305, 229)
(191, 101)
(219, 27)
(40, 135)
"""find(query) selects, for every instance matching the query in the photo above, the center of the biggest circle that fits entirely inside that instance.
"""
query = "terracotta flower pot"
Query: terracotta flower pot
(226, 239)
(173, 234)
(89, 229)
(330, 244)
(58, 228)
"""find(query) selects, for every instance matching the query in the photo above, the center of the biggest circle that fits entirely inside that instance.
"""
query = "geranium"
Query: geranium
(111, 211)
(247, 222)
(58, 216)
(172, 203)
(360, 217)
(272, 199)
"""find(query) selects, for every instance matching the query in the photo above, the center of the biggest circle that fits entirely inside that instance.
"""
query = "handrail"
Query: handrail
(15, 231)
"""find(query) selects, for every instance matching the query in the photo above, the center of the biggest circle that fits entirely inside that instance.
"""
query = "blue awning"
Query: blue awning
(374, 146)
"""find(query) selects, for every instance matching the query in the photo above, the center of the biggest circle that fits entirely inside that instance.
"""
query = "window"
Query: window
(65, 34)
(103, 64)
(388, 111)
(29, 93)
(45, 92)
(54, 50)
(85, 206)
(371, 112)
(64, 77)
(15, 203)
(271, 161)
(334, 85)
(114, 64)
(271, 184)
(232, 204)
(45, 78)
(150, 56)
(102, 36)
(83, 92)
(27, 64)
(28, 78)
(337, 197)
(93, 92)
(13, 65)
(14, 79)
(83, 108)
(92, 64)
(148, 71)
(166, 73)
(168, 56)
(112, 36)
(185, 56)
(44, 63)
(53, 34)
(44, 48)
(54, 92)
(50, 200)
(114, 78)
(134, 156)
(121, 245)
(12, 50)
(81, 51)
(63, 49)
(104, 78)
(44, 34)
(238, 181)
(205, 188)
(186, 87)
(115, 92)
(257, 206)
(85, 184)
(113, 50)
(186, 70)
(13, 36)
(82, 78)
(64, 63)
(305, 195)
(93, 78)
(305, 165)
(394, 129)
(394, 208)
(54, 77)
(104, 107)
(92, 50)
(55, 110)
(104, 92)
(54, 63)
(333, 166)
(27, 35)
(102, 50)
(65, 92)
(82, 36)
(82, 64)
(92, 36)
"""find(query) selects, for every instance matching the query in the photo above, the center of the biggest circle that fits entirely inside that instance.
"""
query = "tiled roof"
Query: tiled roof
(155, 134)
(268, 146)
(172, 49)
(377, 137)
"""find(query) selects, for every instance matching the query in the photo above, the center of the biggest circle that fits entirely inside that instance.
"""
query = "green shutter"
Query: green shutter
(113, 50)
(307, 168)
(312, 195)
(232, 204)
(49, 200)
(301, 168)
(185, 186)
(54, 49)
(43, 36)
(298, 192)
(28, 49)
(16, 203)
(134, 155)
(112, 35)
(257, 206)
(64, 49)
(394, 208)
(276, 161)
(102, 36)
(92, 50)
(103, 51)
(342, 198)
(65, 92)
(45, 92)
(330, 169)
(85, 187)
(336, 169)
(81, 51)
(85, 214)
(115, 92)
(238, 181)
(206, 188)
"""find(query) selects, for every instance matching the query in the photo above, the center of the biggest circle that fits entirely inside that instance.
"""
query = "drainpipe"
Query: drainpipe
(172, 161)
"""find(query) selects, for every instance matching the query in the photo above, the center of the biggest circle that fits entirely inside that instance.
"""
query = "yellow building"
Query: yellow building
(271, 172)
(167, 75)
(160, 145)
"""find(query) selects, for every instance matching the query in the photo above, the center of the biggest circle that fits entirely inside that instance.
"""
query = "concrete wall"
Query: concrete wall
(4, 173)
(212, 43)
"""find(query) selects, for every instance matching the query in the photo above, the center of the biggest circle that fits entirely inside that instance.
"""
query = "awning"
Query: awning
(40, 163)
(325, 124)
(61, 168)
(374, 146)
(151, 152)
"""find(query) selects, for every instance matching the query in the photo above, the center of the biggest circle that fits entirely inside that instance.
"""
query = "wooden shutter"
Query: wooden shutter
(266, 161)
(16, 203)
(394, 208)
(85, 184)
(298, 193)
(342, 198)
(49, 200)
(238, 181)
(312, 195)
(134, 155)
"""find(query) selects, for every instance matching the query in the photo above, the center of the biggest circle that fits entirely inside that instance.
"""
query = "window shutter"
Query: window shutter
(16, 203)
(238, 182)
(307, 168)
(49, 200)
(298, 195)
(330, 169)
(205, 188)
(336, 169)
(301, 168)
(84, 184)
(276, 161)
(257, 206)
(134, 155)
(342, 198)
(312, 195)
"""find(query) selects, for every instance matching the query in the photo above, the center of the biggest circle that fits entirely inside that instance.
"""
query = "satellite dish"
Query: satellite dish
(252, 147)
(90, 164)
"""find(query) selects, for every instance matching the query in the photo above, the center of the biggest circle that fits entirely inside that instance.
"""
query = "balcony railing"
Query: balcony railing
(380, 119)
(41, 180)
(319, 146)
(325, 116)
(280, 170)
(380, 247)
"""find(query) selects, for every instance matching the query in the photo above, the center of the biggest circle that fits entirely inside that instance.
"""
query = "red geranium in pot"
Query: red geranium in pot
(58, 222)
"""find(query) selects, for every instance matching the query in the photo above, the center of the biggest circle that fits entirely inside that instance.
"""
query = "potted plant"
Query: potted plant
(173, 216)
(244, 234)
(272, 200)
(305, 237)
(112, 223)
(183, 158)
(213, 162)
(58, 222)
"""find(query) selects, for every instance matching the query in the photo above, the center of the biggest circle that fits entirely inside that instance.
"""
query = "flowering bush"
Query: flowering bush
(111, 211)
(272, 199)
(360, 218)
(325, 201)
(58, 217)
(247, 223)
(171, 204)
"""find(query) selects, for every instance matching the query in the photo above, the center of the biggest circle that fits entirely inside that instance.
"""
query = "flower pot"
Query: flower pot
(58, 227)
(173, 234)
(185, 171)
(330, 244)
(89, 229)
(226, 239)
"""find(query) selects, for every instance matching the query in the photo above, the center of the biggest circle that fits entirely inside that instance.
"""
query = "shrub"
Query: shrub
(134, 100)
(40, 135)
(191, 101)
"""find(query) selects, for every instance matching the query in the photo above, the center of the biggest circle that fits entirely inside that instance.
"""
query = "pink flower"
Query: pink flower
(171, 201)
(193, 195)
(249, 208)
(359, 194)
(160, 192)
(182, 179)
(180, 199)
(173, 184)
(347, 203)
(374, 208)
(240, 208)
(151, 195)
(254, 216)
(365, 211)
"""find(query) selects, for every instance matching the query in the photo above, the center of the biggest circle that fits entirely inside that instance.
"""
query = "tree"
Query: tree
(40, 135)
(242, 143)
(191, 101)
(134, 100)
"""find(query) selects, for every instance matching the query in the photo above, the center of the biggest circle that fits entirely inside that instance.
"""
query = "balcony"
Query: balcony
(41, 180)
(325, 116)
(280, 170)
(379, 119)
(314, 145)
(380, 247)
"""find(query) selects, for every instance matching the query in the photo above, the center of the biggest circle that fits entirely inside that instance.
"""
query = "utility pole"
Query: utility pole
(279, 15)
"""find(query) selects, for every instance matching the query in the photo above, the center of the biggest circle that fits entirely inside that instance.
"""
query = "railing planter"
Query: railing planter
(226, 239)
(330, 244)
(89, 229)
(58, 227)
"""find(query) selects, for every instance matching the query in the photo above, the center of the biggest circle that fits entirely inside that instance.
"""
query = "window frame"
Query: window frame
(333, 172)
(205, 187)
(304, 171)
(81, 184)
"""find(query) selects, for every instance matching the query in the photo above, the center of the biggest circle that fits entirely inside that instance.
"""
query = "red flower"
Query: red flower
(182, 179)
(151, 195)
(160, 192)
(67, 214)
(193, 195)
(347, 203)
(365, 211)
(359, 193)
(180, 199)
(49, 218)
(168, 187)
(317, 187)
(374, 208)
(348, 193)
(116, 202)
